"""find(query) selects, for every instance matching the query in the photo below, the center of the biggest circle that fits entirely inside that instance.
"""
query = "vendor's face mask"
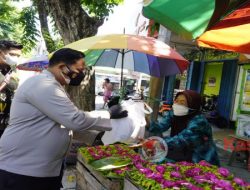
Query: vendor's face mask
(74, 78)
(180, 110)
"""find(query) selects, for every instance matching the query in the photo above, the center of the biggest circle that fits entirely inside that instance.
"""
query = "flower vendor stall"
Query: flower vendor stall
(118, 166)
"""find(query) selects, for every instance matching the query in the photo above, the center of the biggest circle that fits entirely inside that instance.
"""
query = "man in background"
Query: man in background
(10, 52)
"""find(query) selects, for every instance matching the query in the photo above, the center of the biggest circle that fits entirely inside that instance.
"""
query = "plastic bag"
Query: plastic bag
(121, 131)
(128, 129)
(136, 112)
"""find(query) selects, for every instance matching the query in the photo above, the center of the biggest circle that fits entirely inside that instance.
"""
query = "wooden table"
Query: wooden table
(89, 179)
(129, 185)
(240, 144)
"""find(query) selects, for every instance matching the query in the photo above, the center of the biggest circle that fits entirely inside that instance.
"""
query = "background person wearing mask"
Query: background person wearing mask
(10, 52)
(191, 134)
(34, 144)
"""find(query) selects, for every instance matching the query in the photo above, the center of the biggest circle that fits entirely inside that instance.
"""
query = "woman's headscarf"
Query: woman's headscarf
(194, 102)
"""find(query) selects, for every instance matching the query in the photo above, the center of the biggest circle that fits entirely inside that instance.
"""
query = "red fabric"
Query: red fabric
(237, 17)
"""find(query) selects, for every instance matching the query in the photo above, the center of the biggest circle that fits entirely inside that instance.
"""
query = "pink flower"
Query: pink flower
(118, 147)
(145, 171)
(97, 157)
(225, 185)
(191, 186)
(138, 165)
(170, 164)
(239, 181)
(107, 154)
(177, 168)
(224, 172)
(210, 176)
(204, 163)
(92, 154)
(175, 174)
(201, 179)
(118, 171)
(168, 184)
(91, 149)
(184, 163)
(98, 147)
(160, 169)
(136, 157)
(109, 148)
(180, 182)
(193, 172)
(156, 176)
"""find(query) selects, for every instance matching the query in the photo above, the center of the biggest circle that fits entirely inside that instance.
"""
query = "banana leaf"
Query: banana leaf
(110, 163)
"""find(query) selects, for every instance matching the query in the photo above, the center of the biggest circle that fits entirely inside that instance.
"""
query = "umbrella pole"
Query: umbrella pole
(122, 52)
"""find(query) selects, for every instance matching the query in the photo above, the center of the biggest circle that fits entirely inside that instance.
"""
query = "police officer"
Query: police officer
(10, 52)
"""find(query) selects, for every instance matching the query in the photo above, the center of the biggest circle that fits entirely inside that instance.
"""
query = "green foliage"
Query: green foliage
(6, 19)
(212, 54)
(193, 55)
(209, 55)
(49, 41)
(18, 26)
(58, 43)
(21, 26)
(5, 30)
(55, 37)
(99, 8)
(30, 33)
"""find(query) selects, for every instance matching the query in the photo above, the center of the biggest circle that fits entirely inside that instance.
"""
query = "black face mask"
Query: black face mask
(76, 81)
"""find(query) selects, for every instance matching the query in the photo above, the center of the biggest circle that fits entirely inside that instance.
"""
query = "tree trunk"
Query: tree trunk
(72, 21)
(43, 13)
(73, 24)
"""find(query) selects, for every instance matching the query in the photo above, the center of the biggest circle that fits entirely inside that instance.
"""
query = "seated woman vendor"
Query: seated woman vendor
(191, 134)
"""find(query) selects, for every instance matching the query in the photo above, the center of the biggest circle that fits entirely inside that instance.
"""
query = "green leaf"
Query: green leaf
(31, 34)
(110, 163)
(114, 175)
(99, 8)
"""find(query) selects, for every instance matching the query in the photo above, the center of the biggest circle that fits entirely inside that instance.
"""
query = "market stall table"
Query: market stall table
(89, 179)
(139, 174)
(240, 144)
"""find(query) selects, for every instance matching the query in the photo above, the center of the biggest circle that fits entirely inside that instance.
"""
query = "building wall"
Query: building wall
(227, 89)
(212, 78)
(225, 73)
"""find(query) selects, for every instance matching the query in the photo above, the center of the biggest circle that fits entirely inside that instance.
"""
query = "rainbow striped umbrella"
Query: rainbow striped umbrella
(136, 53)
(220, 24)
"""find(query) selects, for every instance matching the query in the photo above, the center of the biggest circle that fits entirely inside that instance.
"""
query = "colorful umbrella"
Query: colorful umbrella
(231, 33)
(137, 53)
(225, 22)
(36, 63)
